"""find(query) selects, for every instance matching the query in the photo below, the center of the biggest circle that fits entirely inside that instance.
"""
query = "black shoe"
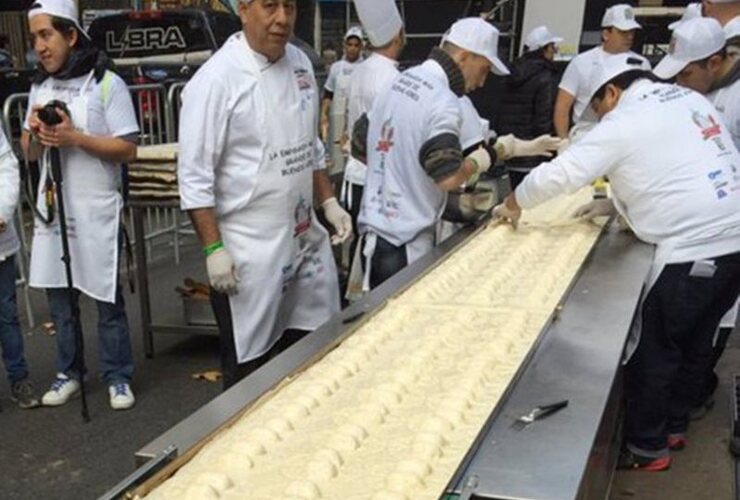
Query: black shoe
(22, 394)
(632, 461)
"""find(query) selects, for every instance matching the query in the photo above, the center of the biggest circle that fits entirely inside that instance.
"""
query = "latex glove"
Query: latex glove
(339, 219)
(3, 226)
(563, 145)
(507, 214)
(222, 272)
(596, 208)
(482, 160)
(508, 146)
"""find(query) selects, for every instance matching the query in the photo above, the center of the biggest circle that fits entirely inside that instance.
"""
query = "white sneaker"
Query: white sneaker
(62, 389)
(121, 396)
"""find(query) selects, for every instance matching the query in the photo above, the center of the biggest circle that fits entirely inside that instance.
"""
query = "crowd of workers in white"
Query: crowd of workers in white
(252, 176)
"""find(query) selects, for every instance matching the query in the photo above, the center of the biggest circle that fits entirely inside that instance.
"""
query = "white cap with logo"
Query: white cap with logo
(354, 32)
(693, 10)
(63, 9)
(620, 16)
(381, 20)
(540, 37)
(692, 41)
(479, 37)
(616, 64)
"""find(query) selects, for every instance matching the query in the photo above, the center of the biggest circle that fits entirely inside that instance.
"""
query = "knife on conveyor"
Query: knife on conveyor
(538, 413)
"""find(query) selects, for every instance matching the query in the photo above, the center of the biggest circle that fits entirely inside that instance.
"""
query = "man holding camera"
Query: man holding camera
(97, 132)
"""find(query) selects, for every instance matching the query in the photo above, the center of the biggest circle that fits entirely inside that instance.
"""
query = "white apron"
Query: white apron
(282, 254)
(338, 122)
(93, 207)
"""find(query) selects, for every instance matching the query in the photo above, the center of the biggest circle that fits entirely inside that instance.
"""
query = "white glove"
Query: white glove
(3, 226)
(596, 208)
(508, 146)
(504, 213)
(339, 219)
(563, 145)
(222, 272)
(482, 160)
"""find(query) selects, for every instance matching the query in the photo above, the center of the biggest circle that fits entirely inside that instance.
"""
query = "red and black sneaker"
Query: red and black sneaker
(632, 461)
(677, 442)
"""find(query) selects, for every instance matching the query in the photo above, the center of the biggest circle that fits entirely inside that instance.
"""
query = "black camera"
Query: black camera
(49, 114)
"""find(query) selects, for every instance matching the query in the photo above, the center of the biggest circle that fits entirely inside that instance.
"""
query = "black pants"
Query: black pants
(387, 261)
(354, 212)
(231, 369)
(675, 356)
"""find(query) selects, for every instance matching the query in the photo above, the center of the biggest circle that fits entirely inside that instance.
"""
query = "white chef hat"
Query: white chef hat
(540, 37)
(732, 29)
(620, 16)
(381, 20)
(479, 37)
(616, 64)
(354, 32)
(64, 9)
(693, 10)
(693, 40)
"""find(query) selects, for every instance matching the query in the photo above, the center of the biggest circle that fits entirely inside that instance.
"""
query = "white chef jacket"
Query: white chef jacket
(9, 192)
(727, 102)
(369, 79)
(401, 200)
(673, 169)
(579, 81)
(231, 97)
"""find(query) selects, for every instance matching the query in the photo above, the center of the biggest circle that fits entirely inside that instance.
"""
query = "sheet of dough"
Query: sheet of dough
(159, 152)
(391, 412)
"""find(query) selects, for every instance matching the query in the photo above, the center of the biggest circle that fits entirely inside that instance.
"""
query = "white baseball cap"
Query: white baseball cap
(540, 37)
(693, 10)
(381, 20)
(616, 64)
(354, 31)
(693, 40)
(479, 37)
(620, 16)
(64, 9)
(732, 29)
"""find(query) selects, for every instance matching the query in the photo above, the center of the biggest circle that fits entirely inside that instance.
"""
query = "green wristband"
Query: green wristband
(213, 248)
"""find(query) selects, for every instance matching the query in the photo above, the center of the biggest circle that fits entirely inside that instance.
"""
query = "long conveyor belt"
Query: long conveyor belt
(599, 308)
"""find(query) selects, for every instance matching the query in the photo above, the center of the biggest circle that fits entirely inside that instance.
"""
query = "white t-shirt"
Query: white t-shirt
(401, 200)
(727, 102)
(578, 81)
(474, 129)
(370, 78)
(673, 169)
(9, 192)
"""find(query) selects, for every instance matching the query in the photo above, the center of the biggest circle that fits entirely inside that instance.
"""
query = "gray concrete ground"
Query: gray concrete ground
(49, 453)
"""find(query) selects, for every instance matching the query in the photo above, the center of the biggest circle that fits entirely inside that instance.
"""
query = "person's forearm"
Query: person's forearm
(561, 115)
(206, 225)
(460, 177)
(322, 188)
(325, 107)
(107, 148)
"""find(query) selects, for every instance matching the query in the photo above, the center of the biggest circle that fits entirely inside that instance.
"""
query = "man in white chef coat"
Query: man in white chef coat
(412, 141)
(336, 96)
(698, 60)
(98, 132)
(250, 169)
(674, 176)
(577, 85)
(384, 28)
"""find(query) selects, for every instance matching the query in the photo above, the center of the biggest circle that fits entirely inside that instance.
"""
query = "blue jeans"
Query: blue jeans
(116, 360)
(11, 337)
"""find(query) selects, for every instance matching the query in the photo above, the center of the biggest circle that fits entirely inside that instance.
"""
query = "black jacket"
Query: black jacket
(528, 101)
